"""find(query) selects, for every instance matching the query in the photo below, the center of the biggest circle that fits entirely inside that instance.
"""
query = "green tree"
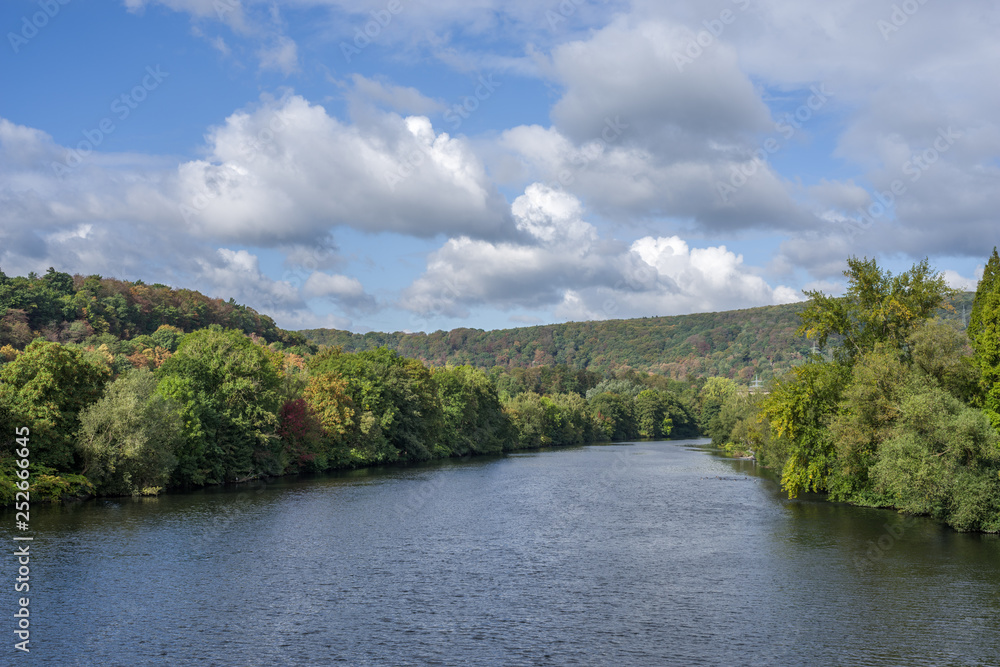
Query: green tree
(45, 388)
(652, 411)
(717, 388)
(527, 413)
(568, 420)
(558, 419)
(614, 416)
(984, 332)
(397, 410)
(199, 457)
(866, 416)
(61, 283)
(239, 382)
(737, 428)
(625, 388)
(128, 438)
(167, 337)
(799, 410)
(474, 421)
(712, 396)
(940, 351)
(328, 401)
(943, 460)
(878, 307)
(988, 285)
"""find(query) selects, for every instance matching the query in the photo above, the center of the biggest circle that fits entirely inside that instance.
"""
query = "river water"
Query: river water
(659, 553)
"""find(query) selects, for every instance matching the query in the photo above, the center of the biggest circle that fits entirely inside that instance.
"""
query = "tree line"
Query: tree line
(214, 405)
(903, 409)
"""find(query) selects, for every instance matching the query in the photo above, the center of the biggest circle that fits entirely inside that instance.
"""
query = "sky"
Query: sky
(408, 165)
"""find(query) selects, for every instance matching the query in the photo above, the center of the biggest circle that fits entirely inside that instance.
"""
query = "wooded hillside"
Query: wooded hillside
(737, 344)
(72, 309)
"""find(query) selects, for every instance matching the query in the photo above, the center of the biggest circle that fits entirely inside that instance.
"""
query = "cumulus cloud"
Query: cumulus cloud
(284, 172)
(117, 215)
(630, 69)
(958, 281)
(51, 193)
(563, 263)
(642, 131)
(340, 289)
(237, 273)
(289, 171)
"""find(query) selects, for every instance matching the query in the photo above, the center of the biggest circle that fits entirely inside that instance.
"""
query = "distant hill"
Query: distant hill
(72, 308)
(736, 343)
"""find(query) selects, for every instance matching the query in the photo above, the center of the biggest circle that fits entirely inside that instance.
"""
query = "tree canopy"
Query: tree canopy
(877, 307)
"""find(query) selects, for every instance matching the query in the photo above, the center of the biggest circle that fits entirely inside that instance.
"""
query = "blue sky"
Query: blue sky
(494, 164)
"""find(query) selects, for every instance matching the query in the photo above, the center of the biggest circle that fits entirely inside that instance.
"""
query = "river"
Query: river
(656, 553)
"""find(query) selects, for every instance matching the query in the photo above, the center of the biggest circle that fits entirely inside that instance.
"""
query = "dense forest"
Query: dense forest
(739, 344)
(902, 413)
(116, 388)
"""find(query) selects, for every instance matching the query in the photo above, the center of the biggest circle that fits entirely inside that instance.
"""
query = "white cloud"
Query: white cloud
(404, 99)
(958, 281)
(237, 273)
(629, 69)
(639, 134)
(562, 263)
(343, 290)
(281, 55)
(324, 284)
(288, 171)
(639, 139)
